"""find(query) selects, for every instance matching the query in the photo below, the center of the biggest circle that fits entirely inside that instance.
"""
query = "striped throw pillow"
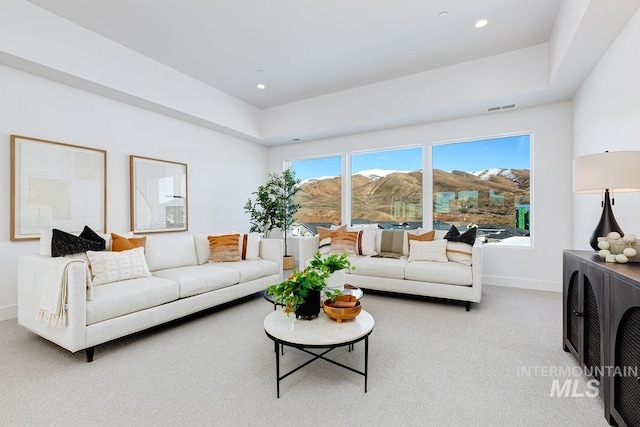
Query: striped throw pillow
(224, 248)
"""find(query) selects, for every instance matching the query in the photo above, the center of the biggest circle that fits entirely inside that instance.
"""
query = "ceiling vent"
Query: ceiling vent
(501, 107)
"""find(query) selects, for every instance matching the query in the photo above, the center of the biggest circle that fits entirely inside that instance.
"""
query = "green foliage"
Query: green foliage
(293, 291)
(274, 206)
(332, 263)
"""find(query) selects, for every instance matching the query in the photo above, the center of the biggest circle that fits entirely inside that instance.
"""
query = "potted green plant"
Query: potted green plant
(300, 292)
(274, 207)
(335, 265)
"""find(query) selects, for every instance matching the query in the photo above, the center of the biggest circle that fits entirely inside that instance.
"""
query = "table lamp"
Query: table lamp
(617, 171)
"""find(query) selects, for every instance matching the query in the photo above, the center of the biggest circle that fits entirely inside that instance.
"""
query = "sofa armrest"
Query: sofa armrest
(476, 269)
(32, 277)
(308, 248)
(272, 250)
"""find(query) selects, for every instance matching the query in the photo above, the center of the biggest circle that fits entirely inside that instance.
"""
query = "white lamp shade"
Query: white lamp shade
(619, 171)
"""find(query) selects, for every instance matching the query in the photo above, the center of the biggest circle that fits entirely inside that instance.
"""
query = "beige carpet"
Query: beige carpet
(430, 363)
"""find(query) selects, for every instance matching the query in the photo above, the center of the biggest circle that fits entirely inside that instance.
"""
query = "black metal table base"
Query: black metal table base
(279, 344)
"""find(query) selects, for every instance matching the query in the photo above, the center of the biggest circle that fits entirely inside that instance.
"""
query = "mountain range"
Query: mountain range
(387, 195)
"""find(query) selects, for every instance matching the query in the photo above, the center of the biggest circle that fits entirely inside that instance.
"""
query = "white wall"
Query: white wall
(607, 117)
(538, 267)
(222, 170)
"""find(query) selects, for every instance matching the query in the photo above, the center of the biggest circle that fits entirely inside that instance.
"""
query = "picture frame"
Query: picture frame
(158, 195)
(56, 185)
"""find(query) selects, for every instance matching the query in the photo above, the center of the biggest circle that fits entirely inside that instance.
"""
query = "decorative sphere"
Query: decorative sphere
(614, 235)
(603, 253)
(621, 258)
(630, 252)
(603, 244)
(601, 239)
(629, 238)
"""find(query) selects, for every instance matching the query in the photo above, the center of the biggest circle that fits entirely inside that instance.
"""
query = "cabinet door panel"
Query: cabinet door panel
(625, 352)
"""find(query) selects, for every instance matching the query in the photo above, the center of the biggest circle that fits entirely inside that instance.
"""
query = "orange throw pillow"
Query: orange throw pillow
(119, 243)
(224, 248)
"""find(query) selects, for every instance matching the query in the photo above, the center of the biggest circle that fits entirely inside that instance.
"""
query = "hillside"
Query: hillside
(395, 196)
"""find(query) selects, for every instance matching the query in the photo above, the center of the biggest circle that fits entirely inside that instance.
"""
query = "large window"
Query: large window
(386, 188)
(484, 183)
(320, 194)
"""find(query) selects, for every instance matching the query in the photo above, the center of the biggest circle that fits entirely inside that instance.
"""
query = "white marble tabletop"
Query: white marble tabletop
(319, 331)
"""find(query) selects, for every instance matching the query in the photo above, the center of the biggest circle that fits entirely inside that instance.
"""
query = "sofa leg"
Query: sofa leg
(90, 352)
(467, 305)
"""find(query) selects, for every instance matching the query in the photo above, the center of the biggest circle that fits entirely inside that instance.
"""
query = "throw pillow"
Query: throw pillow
(89, 234)
(391, 241)
(224, 248)
(435, 250)
(250, 246)
(468, 236)
(324, 238)
(109, 267)
(424, 237)
(366, 242)
(459, 252)
(120, 243)
(63, 243)
(343, 242)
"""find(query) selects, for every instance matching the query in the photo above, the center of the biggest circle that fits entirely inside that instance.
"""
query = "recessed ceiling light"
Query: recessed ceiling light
(443, 14)
(260, 86)
(481, 23)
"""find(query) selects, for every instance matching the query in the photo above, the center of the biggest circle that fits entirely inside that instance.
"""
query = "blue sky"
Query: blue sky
(508, 152)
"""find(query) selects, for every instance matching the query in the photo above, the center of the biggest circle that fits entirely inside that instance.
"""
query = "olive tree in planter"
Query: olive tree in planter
(274, 207)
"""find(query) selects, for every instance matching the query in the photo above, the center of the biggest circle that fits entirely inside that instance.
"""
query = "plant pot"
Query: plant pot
(288, 262)
(311, 306)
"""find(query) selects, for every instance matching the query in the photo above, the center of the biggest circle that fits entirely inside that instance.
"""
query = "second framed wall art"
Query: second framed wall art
(158, 195)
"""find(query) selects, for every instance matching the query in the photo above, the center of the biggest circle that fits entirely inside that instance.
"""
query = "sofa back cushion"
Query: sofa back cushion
(170, 251)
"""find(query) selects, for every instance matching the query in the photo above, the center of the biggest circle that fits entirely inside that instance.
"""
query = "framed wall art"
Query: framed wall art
(56, 185)
(158, 195)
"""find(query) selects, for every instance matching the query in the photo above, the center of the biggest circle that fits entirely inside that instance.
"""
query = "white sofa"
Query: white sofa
(446, 280)
(182, 282)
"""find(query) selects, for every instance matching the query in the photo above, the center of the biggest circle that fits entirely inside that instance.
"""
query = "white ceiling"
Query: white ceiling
(305, 48)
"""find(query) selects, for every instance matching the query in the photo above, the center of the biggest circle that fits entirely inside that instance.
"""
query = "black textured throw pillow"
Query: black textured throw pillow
(453, 235)
(63, 243)
(89, 234)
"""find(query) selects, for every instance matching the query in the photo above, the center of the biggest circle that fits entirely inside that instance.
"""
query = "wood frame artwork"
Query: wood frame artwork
(56, 185)
(158, 195)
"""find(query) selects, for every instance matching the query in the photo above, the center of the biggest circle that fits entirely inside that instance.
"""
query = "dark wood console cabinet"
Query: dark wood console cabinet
(601, 329)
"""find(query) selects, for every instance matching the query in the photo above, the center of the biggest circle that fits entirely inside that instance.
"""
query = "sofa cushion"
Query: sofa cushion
(108, 266)
(324, 237)
(460, 252)
(121, 243)
(469, 236)
(170, 251)
(366, 242)
(428, 250)
(343, 242)
(439, 272)
(224, 248)
(117, 299)
(197, 279)
(254, 269)
(380, 267)
(63, 243)
(390, 241)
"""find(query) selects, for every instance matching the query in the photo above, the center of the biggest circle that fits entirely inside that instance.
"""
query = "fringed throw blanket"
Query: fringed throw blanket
(53, 302)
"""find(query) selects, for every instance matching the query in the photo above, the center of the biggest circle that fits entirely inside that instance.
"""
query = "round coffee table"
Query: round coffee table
(319, 333)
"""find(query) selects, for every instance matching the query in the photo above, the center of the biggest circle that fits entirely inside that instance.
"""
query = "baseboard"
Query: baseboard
(514, 282)
(8, 312)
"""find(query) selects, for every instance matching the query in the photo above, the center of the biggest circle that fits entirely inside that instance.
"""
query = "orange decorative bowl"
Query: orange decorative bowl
(344, 307)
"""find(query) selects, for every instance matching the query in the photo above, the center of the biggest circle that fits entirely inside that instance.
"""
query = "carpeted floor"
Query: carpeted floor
(430, 364)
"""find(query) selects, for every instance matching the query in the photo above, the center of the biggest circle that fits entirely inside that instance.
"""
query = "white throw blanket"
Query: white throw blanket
(53, 302)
